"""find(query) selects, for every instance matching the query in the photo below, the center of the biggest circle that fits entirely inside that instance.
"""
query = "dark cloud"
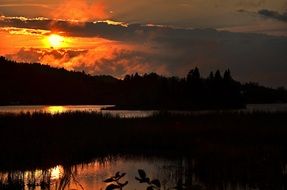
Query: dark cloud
(273, 14)
(116, 32)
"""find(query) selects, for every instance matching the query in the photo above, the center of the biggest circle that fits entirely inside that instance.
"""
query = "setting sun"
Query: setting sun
(55, 40)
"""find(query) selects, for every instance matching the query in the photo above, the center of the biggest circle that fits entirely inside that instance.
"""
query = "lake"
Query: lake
(196, 174)
(74, 108)
(125, 113)
(90, 176)
(237, 167)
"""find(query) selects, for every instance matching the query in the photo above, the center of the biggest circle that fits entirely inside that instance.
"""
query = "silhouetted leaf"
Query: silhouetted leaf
(156, 182)
(140, 180)
(149, 188)
(142, 174)
(147, 180)
(109, 180)
(117, 174)
(112, 187)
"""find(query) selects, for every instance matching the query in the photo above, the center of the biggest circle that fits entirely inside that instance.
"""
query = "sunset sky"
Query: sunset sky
(119, 37)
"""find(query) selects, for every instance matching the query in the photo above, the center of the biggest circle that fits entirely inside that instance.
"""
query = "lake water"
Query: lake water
(124, 113)
(90, 176)
(199, 173)
(74, 108)
(195, 174)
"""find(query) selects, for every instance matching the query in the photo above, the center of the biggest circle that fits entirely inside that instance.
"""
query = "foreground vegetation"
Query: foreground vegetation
(43, 140)
(245, 149)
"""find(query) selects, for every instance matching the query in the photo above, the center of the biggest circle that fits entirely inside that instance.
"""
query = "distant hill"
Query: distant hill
(23, 83)
(35, 84)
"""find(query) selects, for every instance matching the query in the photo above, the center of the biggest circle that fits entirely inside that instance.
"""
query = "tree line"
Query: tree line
(34, 83)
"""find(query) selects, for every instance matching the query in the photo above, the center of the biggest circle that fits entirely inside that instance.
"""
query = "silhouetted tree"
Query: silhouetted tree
(211, 76)
(127, 78)
(217, 76)
(193, 74)
(227, 75)
(41, 84)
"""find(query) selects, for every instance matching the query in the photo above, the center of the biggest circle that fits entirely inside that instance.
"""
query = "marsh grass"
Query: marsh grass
(42, 140)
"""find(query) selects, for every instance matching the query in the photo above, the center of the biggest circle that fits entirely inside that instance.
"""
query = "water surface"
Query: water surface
(196, 174)
(126, 113)
(74, 108)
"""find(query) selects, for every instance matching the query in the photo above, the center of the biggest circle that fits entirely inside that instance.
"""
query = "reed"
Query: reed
(41, 139)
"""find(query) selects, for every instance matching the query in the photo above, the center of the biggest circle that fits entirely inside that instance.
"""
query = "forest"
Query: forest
(38, 84)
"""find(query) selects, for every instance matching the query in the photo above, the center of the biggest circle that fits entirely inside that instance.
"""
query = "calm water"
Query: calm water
(195, 174)
(90, 176)
(123, 113)
(62, 109)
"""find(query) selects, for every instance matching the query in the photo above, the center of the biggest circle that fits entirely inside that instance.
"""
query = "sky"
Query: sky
(170, 37)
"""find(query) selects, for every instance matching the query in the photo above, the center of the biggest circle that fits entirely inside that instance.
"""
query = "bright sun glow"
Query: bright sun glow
(55, 40)
(55, 109)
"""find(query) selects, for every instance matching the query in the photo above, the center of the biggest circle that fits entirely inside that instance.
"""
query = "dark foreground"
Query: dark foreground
(245, 148)
(43, 140)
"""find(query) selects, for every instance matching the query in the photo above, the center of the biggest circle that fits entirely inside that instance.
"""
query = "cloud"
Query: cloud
(80, 10)
(108, 29)
(24, 5)
(112, 61)
(273, 14)
(36, 55)
(166, 50)
(25, 31)
(180, 13)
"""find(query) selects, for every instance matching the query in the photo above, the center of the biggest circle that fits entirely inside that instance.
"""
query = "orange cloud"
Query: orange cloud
(80, 11)
(25, 31)
(113, 59)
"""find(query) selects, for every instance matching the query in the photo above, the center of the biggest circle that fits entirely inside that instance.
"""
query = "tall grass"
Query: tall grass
(41, 139)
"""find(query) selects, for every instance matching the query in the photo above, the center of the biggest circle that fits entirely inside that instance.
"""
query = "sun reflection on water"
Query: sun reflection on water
(56, 172)
(55, 109)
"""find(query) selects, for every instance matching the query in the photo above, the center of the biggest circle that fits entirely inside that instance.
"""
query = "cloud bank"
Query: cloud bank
(166, 50)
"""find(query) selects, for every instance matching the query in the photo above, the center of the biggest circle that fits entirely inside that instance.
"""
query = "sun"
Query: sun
(55, 41)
